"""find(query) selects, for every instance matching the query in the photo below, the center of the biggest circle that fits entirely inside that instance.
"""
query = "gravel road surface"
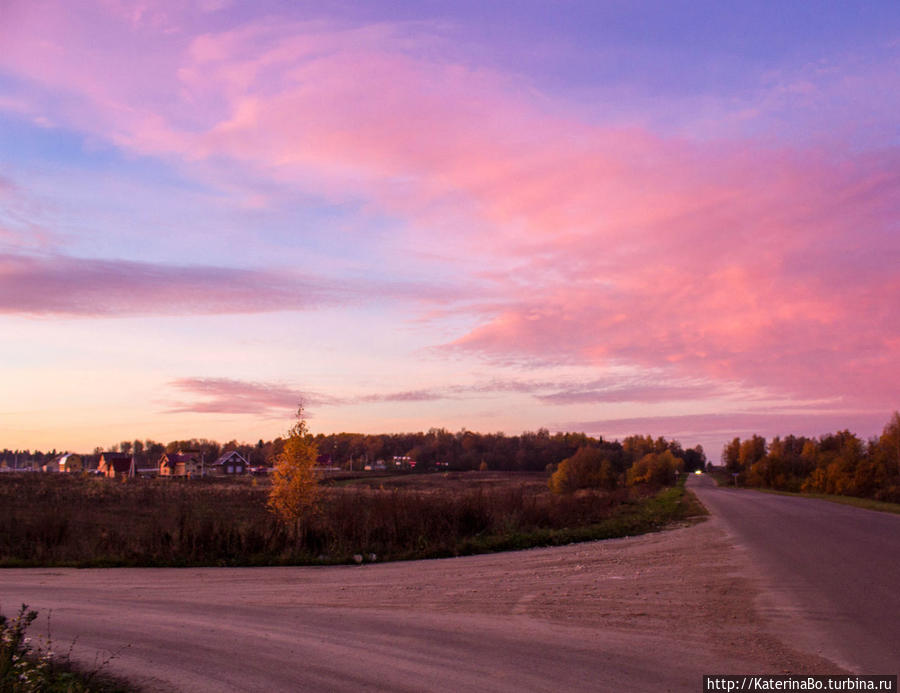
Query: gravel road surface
(832, 572)
(649, 613)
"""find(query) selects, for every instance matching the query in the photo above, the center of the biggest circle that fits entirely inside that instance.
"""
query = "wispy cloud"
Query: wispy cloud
(60, 285)
(53, 284)
(630, 391)
(19, 225)
(229, 396)
(226, 395)
(406, 396)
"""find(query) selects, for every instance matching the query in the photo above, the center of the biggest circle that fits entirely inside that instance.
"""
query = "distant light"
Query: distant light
(698, 472)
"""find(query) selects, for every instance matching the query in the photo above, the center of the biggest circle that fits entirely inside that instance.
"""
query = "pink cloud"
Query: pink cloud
(789, 283)
(735, 260)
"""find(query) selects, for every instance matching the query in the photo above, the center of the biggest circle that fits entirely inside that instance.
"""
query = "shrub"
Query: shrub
(657, 469)
(587, 468)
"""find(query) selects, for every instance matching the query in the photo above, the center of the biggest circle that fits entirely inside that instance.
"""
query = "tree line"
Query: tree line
(436, 448)
(464, 450)
(837, 463)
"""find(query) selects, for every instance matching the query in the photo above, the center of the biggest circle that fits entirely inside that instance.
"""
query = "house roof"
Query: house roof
(230, 455)
(119, 461)
(173, 458)
(120, 464)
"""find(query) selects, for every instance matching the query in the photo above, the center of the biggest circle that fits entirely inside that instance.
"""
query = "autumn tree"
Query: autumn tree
(637, 446)
(751, 451)
(731, 455)
(890, 442)
(295, 487)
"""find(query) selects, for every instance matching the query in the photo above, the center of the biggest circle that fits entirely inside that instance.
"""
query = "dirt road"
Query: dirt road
(650, 613)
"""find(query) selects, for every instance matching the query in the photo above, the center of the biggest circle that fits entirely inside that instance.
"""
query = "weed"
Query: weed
(29, 665)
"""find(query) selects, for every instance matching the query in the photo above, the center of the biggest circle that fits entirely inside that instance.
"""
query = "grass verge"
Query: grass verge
(724, 479)
(866, 503)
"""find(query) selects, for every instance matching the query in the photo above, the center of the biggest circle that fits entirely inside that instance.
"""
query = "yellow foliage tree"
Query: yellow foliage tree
(295, 487)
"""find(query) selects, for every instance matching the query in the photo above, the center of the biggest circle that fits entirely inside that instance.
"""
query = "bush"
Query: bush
(656, 469)
(587, 468)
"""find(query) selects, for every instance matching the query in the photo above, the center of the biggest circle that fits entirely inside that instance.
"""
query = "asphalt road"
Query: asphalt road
(832, 572)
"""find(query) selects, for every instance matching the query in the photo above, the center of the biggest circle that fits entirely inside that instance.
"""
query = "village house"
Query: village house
(184, 463)
(116, 465)
(229, 463)
(67, 462)
(70, 462)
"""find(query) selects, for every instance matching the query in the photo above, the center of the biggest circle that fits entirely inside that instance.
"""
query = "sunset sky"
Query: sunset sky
(674, 218)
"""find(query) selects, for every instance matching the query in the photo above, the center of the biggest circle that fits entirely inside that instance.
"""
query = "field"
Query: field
(56, 519)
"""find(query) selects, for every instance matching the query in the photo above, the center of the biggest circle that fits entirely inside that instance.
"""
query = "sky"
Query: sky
(670, 218)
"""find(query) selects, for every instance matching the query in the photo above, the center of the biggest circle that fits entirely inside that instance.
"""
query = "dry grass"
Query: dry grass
(86, 521)
(452, 481)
